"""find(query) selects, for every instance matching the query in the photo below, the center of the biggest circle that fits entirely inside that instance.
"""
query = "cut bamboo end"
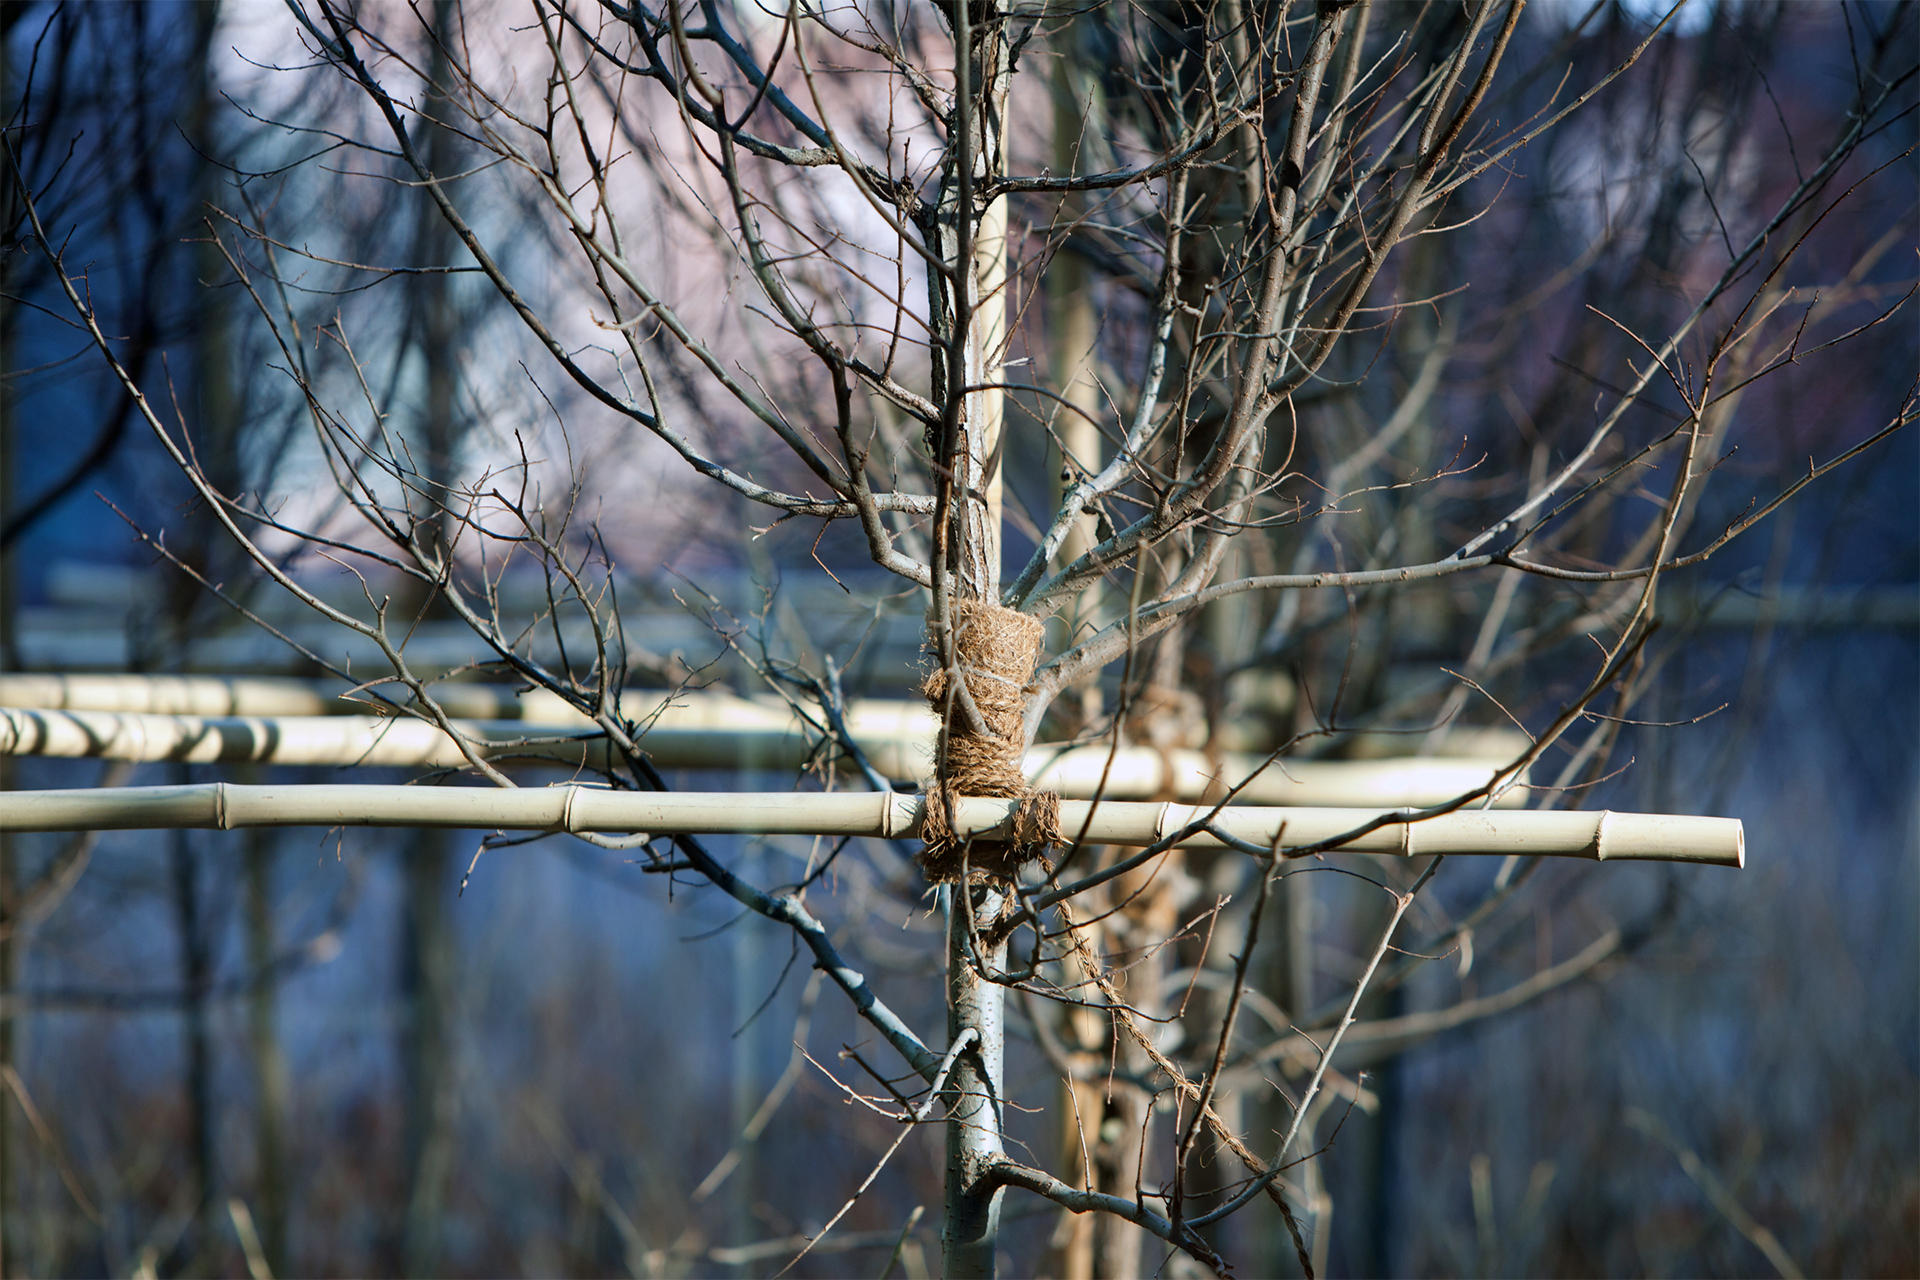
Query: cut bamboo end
(1604, 835)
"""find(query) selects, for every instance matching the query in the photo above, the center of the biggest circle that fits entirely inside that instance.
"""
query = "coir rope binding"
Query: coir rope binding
(994, 652)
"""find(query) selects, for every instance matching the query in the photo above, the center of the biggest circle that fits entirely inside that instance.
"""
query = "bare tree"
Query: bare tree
(1308, 433)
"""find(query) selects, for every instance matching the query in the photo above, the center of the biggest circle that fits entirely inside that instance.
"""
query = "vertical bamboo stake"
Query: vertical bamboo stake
(1073, 343)
(1072, 334)
(1074, 331)
(989, 340)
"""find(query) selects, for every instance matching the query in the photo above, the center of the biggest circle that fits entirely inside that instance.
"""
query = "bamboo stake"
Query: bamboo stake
(1133, 773)
(1602, 835)
(330, 741)
(261, 720)
(397, 741)
(1141, 773)
(257, 696)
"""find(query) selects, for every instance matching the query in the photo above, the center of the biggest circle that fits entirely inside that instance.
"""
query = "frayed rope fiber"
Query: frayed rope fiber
(995, 650)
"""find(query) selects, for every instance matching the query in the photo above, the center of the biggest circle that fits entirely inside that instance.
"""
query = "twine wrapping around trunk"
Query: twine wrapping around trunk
(994, 650)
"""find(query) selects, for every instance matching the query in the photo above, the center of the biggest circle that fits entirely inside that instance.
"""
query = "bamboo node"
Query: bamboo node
(994, 651)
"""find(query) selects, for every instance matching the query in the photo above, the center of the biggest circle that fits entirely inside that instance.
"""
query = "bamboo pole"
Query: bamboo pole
(872, 720)
(1602, 835)
(1142, 773)
(266, 721)
(275, 696)
(1131, 773)
(329, 741)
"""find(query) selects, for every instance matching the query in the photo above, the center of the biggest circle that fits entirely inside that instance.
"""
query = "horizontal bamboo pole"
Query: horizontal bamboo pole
(1142, 773)
(275, 696)
(1132, 773)
(337, 741)
(1601, 835)
(174, 695)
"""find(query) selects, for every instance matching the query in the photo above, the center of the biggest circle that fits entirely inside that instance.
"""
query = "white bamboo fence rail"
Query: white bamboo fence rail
(723, 732)
(1141, 773)
(278, 696)
(190, 695)
(1601, 835)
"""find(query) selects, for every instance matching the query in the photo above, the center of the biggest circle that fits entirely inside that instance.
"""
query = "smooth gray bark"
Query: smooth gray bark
(972, 1225)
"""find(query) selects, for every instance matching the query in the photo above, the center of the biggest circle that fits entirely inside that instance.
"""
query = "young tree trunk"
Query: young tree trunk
(973, 1125)
(969, 308)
